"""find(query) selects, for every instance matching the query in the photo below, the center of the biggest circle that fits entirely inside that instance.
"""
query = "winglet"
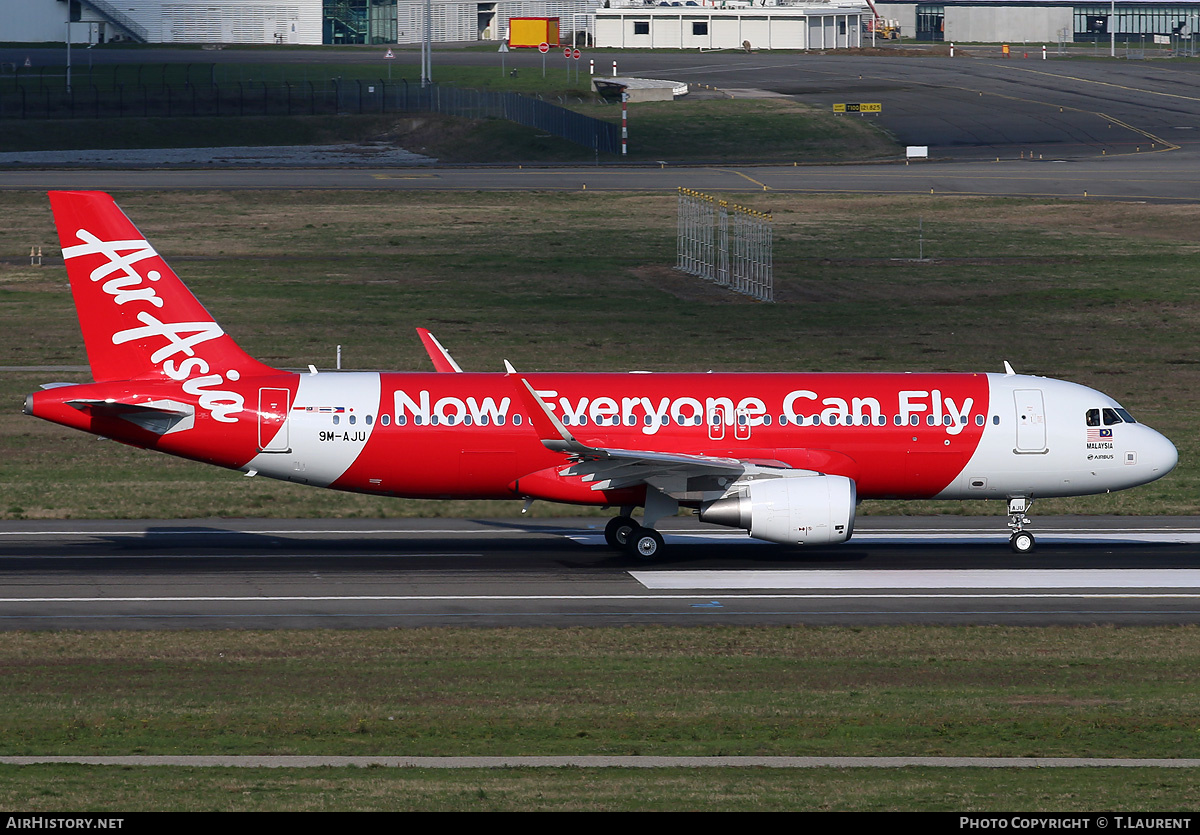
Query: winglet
(550, 430)
(1008, 370)
(442, 361)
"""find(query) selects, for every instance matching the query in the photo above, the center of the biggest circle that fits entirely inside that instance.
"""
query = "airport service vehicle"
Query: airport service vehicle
(784, 456)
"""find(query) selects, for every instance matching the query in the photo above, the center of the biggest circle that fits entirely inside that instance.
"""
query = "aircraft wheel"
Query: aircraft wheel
(1022, 542)
(645, 543)
(617, 531)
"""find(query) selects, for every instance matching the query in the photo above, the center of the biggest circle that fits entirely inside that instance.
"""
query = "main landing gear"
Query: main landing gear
(642, 540)
(1021, 541)
(624, 533)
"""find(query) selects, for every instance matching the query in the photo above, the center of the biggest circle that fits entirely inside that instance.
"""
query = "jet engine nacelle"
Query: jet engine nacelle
(793, 510)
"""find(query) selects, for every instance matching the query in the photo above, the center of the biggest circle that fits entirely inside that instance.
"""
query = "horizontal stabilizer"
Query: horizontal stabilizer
(158, 416)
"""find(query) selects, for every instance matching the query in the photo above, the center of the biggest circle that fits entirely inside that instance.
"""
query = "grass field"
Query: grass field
(62, 789)
(1095, 692)
(1098, 293)
(685, 131)
(703, 126)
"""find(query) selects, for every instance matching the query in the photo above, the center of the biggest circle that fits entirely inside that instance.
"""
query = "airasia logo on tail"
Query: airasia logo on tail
(130, 287)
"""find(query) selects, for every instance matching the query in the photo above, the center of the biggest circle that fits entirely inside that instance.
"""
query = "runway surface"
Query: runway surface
(405, 573)
(1145, 177)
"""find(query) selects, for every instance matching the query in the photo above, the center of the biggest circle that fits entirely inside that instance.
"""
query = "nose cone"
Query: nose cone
(1161, 455)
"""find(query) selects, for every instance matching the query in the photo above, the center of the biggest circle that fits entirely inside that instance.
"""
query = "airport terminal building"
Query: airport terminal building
(277, 21)
(622, 24)
(1027, 21)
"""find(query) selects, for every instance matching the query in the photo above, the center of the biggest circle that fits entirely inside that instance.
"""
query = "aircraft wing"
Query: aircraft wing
(680, 475)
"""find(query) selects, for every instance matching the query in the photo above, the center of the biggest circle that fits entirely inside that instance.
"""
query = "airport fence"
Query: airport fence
(35, 99)
(725, 243)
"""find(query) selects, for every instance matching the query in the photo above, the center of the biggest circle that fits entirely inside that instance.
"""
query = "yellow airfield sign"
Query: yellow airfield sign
(858, 108)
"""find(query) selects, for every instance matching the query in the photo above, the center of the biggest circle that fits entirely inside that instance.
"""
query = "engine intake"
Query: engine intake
(793, 510)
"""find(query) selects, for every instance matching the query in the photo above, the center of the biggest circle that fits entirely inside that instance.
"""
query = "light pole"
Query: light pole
(1112, 29)
(427, 47)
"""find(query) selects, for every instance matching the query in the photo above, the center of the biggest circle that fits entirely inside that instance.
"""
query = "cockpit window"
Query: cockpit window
(1110, 417)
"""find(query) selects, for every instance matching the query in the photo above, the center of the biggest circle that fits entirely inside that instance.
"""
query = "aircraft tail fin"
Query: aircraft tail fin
(137, 317)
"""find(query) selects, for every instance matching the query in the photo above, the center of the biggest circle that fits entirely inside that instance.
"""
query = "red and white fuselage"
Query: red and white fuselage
(168, 378)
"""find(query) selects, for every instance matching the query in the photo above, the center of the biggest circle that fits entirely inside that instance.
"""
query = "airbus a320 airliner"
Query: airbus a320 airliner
(784, 456)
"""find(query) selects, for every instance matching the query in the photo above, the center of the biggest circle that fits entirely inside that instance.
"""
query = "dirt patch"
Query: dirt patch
(1058, 701)
(455, 139)
(688, 287)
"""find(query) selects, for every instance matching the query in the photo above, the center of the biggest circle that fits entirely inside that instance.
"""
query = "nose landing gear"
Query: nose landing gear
(1021, 541)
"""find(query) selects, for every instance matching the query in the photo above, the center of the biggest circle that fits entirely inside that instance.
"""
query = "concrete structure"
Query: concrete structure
(706, 27)
(639, 89)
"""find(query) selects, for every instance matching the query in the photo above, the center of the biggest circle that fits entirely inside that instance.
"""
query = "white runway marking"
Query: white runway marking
(841, 579)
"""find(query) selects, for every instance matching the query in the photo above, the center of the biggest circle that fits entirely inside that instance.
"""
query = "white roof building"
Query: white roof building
(692, 26)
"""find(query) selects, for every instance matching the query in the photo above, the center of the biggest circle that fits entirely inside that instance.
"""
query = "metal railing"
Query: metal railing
(118, 17)
(725, 243)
